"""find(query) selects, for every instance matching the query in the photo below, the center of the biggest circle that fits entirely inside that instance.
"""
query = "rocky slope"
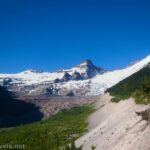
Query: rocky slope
(50, 105)
(25, 109)
(117, 126)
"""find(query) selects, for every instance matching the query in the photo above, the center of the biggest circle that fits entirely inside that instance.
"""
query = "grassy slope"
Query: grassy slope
(51, 134)
(131, 86)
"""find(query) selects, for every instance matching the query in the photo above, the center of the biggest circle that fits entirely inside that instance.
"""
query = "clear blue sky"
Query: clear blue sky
(53, 34)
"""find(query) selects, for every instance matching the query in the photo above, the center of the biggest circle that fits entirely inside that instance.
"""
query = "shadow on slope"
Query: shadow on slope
(14, 112)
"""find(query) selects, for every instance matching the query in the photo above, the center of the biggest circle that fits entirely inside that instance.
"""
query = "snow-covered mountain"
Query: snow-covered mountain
(83, 79)
(86, 69)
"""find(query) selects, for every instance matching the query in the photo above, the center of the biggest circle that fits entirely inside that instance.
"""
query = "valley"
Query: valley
(85, 107)
(75, 75)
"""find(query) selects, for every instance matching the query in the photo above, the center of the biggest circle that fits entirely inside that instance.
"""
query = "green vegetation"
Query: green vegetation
(93, 147)
(53, 134)
(142, 96)
(137, 86)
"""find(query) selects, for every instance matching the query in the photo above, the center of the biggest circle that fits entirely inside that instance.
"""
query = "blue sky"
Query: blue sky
(53, 34)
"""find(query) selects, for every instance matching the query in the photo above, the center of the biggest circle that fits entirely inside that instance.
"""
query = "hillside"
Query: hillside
(137, 86)
(117, 126)
(54, 133)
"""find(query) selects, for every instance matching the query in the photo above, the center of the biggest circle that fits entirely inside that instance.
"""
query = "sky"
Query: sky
(53, 34)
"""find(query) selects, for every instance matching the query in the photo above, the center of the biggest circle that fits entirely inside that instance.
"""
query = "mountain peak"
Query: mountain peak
(86, 63)
(90, 70)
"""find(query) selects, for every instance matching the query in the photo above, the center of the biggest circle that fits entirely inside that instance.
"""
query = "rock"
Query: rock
(76, 76)
(66, 77)
(90, 69)
(70, 93)
(57, 80)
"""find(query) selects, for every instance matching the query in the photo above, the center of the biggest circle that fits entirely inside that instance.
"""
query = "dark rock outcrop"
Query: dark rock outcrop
(70, 93)
(57, 80)
(76, 76)
(91, 69)
(66, 77)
